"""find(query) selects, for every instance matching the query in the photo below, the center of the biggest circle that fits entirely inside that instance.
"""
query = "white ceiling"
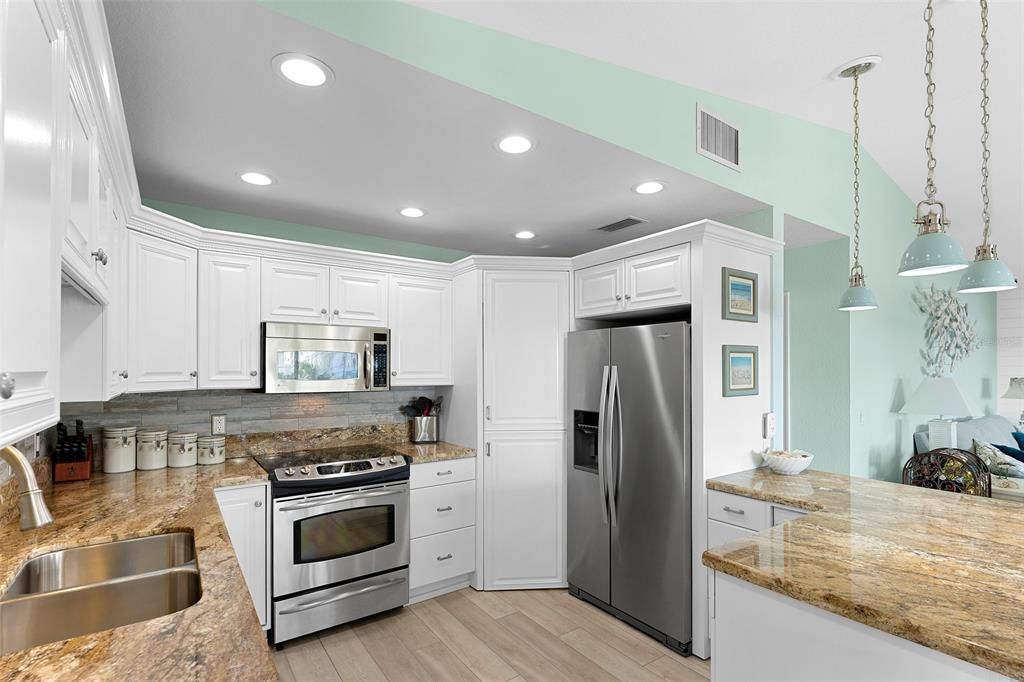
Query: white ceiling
(778, 55)
(203, 104)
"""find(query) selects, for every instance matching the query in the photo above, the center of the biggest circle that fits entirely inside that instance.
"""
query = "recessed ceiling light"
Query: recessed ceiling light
(254, 178)
(515, 144)
(412, 212)
(649, 187)
(302, 69)
(525, 234)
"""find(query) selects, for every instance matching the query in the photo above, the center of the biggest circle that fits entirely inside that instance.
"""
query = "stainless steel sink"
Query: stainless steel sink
(88, 589)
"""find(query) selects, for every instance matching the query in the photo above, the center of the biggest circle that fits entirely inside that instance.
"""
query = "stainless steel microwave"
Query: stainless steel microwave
(324, 358)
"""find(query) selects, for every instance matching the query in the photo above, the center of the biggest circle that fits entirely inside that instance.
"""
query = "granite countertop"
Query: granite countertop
(940, 569)
(218, 638)
(433, 452)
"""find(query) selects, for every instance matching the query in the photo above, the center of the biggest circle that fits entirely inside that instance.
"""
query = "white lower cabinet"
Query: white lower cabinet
(524, 510)
(245, 510)
(442, 524)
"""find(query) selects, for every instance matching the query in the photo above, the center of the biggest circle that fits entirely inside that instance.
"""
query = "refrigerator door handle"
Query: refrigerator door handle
(613, 476)
(602, 467)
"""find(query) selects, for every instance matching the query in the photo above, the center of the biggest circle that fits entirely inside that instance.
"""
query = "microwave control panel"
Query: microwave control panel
(380, 365)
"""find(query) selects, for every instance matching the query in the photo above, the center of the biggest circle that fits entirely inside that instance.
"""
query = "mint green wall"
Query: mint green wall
(761, 222)
(265, 227)
(796, 167)
(819, 366)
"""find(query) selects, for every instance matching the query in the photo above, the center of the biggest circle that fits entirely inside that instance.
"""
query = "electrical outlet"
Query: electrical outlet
(768, 425)
(219, 425)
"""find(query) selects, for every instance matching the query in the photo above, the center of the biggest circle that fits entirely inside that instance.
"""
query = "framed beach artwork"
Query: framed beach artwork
(739, 295)
(739, 370)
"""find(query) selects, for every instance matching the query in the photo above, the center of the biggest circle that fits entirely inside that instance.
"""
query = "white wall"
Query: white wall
(1010, 351)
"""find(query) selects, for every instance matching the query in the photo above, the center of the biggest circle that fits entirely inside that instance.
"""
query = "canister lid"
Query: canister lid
(152, 434)
(182, 437)
(118, 431)
(211, 440)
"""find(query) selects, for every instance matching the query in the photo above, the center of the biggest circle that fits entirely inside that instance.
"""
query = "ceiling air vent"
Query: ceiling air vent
(622, 224)
(717, 139)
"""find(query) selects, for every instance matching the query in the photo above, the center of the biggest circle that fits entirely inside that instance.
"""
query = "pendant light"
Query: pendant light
(933, 251)
(858, 296)
(986, 273)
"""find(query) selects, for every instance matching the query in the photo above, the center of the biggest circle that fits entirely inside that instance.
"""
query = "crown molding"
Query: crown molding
(536, 263)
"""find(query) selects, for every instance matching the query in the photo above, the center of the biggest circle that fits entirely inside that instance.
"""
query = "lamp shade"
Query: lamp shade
(858, 298)
(932, 253)
(1016, 389)
(938, 395)
(983, 276)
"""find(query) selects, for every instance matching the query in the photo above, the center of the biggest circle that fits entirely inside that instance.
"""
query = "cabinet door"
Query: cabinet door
(104, 262)
(295, 292)
(244, 510)
(30, 230)
(359, 298)
(660, 278)
(80, 174)
(526, 318)
(161, 315)
(524, 510)
(599, 290)
(229, 321)
(421, 331)
(115, 335)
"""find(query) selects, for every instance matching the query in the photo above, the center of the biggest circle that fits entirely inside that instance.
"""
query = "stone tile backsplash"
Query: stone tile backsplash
(246, 411)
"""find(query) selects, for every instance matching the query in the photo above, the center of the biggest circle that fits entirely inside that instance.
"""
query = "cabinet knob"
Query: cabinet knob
(628, 296)
(258, 503)
(123, 374)
(337, 313)
(323, 311)
(193, 373)
(618, 297)
(253, 373)
(394, 373)
(7, 384)
(100, 255)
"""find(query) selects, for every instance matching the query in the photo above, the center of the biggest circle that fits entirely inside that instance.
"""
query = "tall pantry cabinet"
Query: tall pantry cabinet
(509, 398)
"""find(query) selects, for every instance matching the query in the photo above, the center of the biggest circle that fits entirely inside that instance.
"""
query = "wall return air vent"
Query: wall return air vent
(629, 221)
(717, 140)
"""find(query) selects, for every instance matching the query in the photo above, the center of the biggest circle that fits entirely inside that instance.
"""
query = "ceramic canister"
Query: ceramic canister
(118, 449)
(181, 449)
(152, 448)
(211, 449)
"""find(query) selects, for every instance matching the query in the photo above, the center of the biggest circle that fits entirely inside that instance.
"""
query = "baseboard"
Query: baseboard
(437, 589)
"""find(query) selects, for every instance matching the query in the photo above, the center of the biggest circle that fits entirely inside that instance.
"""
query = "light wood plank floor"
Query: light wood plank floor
(469, 635)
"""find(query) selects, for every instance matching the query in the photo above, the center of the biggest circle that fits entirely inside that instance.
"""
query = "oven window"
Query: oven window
(317, 365)
(343, 533)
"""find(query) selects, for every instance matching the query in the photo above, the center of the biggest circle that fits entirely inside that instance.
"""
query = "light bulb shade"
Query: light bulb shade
(1016, 389)
(858, 298)
(983, 276)
(932, 253)
(941, 396)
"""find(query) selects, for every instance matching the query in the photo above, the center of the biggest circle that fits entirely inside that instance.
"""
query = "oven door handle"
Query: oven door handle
(344, 595)
(343, 498)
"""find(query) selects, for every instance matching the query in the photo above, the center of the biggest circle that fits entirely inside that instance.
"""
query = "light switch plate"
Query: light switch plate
(219, 425)
(768, 425)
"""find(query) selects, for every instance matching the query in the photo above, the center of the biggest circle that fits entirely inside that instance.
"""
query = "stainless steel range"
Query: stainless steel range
(339, 536)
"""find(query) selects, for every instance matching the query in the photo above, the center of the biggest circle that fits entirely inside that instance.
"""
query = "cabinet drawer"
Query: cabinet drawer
(737, 510)
(722, 533)
(442, 556)
(440, 508)
(783, 514)
(438, 473)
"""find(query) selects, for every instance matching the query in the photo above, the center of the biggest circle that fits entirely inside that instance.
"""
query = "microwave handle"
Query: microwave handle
(344, 595)
(367, 365)
(319, 502)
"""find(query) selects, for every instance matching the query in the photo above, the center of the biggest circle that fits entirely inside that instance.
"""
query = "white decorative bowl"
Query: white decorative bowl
(787, 462)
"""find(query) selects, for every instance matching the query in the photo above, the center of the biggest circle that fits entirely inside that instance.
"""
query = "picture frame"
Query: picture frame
(739, 371)
(739, 295)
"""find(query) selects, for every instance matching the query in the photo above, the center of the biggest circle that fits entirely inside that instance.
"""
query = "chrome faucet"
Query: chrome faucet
(34, 512)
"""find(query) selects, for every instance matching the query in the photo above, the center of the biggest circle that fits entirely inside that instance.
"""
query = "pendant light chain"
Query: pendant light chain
(929, 59)
(985, 153)
(856, 173)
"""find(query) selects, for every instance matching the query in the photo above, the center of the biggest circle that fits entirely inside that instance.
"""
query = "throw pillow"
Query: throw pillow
(1019, 437)
(997, 462)
(1012, 452)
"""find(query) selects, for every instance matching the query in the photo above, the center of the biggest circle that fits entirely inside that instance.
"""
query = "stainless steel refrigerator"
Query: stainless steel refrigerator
(629, 476)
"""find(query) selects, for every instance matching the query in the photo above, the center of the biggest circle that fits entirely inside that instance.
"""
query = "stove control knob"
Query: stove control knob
(304, 471)
(393, 460)
(380, 461)
(289, 472)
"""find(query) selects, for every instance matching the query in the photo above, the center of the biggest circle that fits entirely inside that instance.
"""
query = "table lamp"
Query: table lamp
(1016, 392)
(939, 396)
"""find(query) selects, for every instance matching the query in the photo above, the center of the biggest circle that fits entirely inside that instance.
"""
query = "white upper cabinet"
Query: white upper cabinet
(116, 313)
(295, 292)
(80, 232)
(524, 510)
(229, 321)
(420, 311)
(30, 230)
(359, 298)
(657, 279)
(599, 289)
(526, 318)
(161, 315)
(651, 280)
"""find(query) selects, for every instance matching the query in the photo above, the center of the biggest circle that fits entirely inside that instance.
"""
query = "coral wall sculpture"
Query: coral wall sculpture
(949, 334)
